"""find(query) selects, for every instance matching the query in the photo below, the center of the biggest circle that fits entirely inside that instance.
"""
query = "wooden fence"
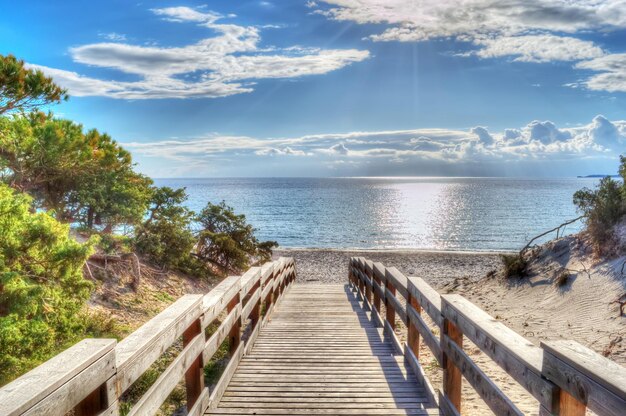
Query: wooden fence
(91, 376)
(565, 377)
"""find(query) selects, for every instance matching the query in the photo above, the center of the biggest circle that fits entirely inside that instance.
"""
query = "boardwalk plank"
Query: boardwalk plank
(320, 354)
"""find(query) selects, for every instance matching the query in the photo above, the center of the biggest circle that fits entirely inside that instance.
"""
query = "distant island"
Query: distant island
(598, 176)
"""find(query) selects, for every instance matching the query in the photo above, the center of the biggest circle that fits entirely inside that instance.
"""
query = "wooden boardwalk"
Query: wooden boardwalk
(321, 355)
(319, 350)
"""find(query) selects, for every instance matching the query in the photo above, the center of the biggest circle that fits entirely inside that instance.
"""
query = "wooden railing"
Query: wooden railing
(91, 376)
(565, 377)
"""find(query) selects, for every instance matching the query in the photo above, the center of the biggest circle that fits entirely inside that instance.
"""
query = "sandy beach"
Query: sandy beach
(438, 268)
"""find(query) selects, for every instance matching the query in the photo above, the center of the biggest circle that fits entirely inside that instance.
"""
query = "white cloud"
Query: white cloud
(538, 48)
(218, 66)
(429, 19)
(527, 30)
(612, 73)
(538, 140)
(280, 152)
(339, 149)
(483, 135)
(545, 132)
(112, 36)
(186, 14)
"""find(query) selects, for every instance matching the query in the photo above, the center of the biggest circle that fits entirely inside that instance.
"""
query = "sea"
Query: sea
(459, 214)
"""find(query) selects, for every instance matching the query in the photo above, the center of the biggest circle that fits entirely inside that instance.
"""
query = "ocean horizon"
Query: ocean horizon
(394, 213)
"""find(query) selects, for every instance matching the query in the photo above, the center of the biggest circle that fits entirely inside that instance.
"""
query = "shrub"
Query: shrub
(604, 207)
(42, 289)
(561, 278)
(227, 240)
(514, 265)
(165, 236)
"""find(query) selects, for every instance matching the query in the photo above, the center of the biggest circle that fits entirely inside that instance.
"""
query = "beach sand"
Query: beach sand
(534, 307)
(436, 267)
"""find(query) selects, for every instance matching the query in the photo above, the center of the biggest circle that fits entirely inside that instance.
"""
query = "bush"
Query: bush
(165, 236)
(604, 207)
(227, 240)
(514, 265)
(42, 289)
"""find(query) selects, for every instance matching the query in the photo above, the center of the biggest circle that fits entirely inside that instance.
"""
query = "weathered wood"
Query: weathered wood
(214, 302)
(369, 271)
(446, 407)
(379, 291)
(451, 373)
(251, 304)
(497, 401)
(80, 386)
(418, 323)
(570, 406)
(516, 355)
(376, 289)
(413, 334)
(320, 354)
(390, 313)
(427, 297)
(396, 306)
(393, 338)
(249, 280)
(379, 272)
(589, 378)
(44, 382)
(201, 404)
(152, 399)
(139, 350)
(226, 376)
(398, 280)
(194, 376)
(216, 339)
(413, 361)
(234, 337)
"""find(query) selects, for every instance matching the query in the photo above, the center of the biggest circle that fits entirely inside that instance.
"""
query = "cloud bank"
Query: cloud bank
(541, 141)
(218, 66)
(526, 30)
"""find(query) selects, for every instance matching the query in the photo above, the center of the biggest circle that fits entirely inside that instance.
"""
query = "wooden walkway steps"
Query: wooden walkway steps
(318, 350)
(321, 355)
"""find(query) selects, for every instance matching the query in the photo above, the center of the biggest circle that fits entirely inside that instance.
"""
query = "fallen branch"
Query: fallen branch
(621, 300)
(557, 229)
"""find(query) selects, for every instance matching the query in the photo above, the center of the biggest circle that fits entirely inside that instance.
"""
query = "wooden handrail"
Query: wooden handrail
(91, 376)
(563, 376)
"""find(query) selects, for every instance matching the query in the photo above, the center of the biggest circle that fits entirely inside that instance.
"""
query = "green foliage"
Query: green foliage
(42, 289)
(24, 89)
(227, 240)
(110, 192)
(82, 177)
(165, 236)
(514, 265)
(604, 207)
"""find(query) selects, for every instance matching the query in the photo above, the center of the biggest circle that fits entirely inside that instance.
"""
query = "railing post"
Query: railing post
(369, 272)
(361, 284)
(413, 333)
(376, 279)
(268, 297)
(451, 373)
(93, 404)
(585, 379)
(390, 313)
(235, 333)
(194, 376)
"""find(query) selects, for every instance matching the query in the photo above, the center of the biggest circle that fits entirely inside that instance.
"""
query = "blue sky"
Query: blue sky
(339, 87)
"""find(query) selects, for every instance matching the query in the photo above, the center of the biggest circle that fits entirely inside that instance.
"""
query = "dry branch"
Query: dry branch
(557, 229)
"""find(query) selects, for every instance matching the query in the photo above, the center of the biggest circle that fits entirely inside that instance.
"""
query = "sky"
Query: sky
(339, 87)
